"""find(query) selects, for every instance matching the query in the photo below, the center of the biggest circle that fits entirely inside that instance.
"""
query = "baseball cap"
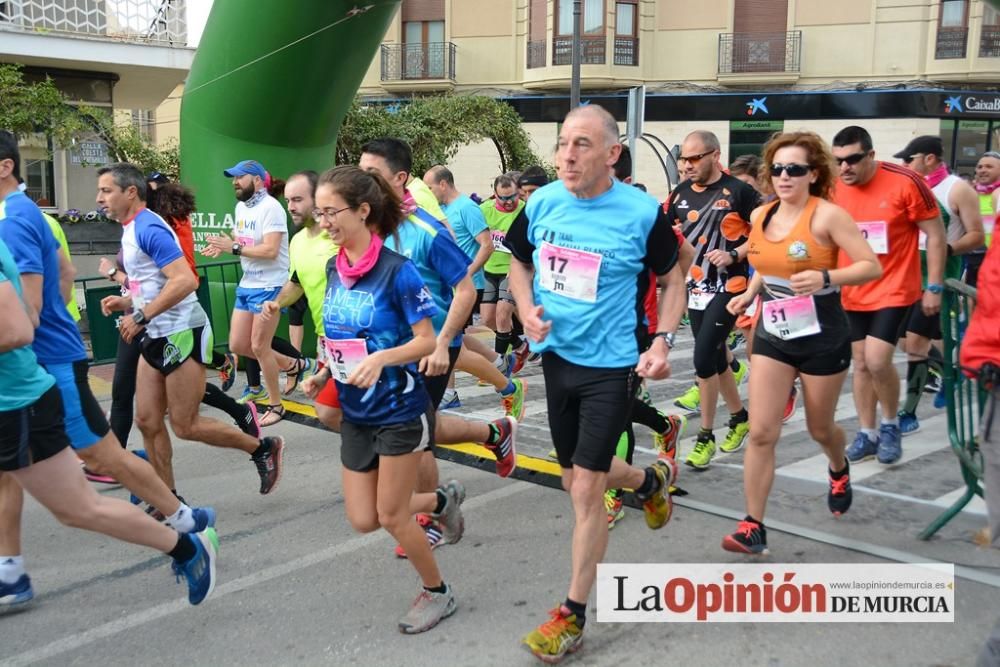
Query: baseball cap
(246, 167)
(157, 177)
(925, 145)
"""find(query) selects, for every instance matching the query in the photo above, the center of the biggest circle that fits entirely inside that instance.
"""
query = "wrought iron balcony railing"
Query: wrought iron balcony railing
(766, 52)
(153, 21)
(627, 51)
(951, 43)
(989, 42)
(536, 54)
(592, 50)
(433, 60)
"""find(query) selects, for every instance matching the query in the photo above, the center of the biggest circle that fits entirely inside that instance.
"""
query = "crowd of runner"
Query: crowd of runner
(819, 257)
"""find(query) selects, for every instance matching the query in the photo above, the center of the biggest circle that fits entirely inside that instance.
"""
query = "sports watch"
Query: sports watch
(237, 248)
(934, 288)
(668, 338)
(139, 317)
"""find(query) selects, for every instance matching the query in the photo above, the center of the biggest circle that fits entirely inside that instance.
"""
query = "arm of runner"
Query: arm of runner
(67, 274)
(18, 330)
(843, 233)
(369, 370)
(464, 299)
(290, 292)
(738, 305)
(965, 201)
(31, 288)
(269, 247)
(483, 254)
(937, 248)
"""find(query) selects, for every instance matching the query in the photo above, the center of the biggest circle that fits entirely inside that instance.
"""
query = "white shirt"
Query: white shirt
(254, 219)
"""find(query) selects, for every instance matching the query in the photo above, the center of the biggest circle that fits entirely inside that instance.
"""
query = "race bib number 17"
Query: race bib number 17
(572, 273)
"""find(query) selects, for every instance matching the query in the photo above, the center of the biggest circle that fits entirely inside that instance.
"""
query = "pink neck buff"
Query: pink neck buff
(349, 275)
(409, 206)
(987, 189)
(936, 176)
(499, 206)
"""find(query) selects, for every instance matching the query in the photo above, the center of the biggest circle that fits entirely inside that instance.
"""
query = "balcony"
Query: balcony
(429, 66)
(989, 42)
(951, 43)
(536, 54)
(144, 21)
(592, 50)
(627, 51)
(760, 57)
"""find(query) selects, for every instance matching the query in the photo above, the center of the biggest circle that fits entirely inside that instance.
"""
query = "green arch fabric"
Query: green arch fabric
(271, 82)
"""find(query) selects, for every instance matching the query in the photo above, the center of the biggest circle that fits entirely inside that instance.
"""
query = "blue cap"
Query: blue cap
(246, 167)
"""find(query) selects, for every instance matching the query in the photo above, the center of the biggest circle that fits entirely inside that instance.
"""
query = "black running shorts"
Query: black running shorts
(33, 433)
(928, 326)
(361, 445)
(438, 384)
(887, 324)
(168, 353)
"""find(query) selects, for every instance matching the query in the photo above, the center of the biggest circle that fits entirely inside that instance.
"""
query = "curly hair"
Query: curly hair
(173, 201)
(818, 156)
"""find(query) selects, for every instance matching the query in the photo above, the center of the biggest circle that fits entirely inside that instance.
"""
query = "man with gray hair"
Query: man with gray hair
(573, 277)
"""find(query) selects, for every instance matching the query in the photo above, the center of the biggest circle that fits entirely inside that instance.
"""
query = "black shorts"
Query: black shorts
(973, 261)
(297, 312)
(169, 353)
(33, 433)
(886, 324)
(923, 325)
(361, 444)
(588, 410)
(827, 360)
(497, 288)
(437, 384)
(475, 308)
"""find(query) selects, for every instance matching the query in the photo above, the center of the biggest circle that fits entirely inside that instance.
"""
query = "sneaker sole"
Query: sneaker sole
(278, 464)
(729, 544)
(698, 467)
(613, 521)
(448, 611)
(209, 541)
(696, 409)
(866, 457)
(553, 659)
(17, 599)
(906, 433)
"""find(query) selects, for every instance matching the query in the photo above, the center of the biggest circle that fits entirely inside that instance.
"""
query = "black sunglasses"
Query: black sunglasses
(851, 159)
(792, 169)
(694, 159)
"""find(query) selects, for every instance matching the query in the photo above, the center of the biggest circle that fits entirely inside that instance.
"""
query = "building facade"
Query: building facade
(741, 68)
(125, 56)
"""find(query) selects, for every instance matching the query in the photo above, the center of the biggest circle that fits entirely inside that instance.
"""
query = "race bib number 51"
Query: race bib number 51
(572, 273)
(343, 356)
(791, 318)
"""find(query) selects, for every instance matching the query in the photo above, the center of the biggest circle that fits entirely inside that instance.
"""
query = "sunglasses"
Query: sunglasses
(792, 169)
(694, 159)
(851, 159)
(507, 197)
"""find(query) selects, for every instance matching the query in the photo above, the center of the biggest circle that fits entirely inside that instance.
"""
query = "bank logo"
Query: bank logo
(757, 104)
(953, 104)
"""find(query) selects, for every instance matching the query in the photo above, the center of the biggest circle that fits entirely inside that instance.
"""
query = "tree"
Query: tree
(436, 127)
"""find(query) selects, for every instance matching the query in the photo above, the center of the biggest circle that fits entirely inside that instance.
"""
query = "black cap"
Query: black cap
(925, 145)
(157, 177)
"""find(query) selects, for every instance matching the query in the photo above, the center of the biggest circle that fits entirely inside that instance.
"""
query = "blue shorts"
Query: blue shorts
(252, 298)
(85, 421)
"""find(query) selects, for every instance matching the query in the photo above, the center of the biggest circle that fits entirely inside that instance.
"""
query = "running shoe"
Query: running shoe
(513, 404)
(535, 357)
(741, 374)
(428, 610)
(750, 538)
(141, 453)
(735, 339)
(704, 450)
(204, 517)
(553, 639)
(890, 446)
(614, 506)
(737, 435)
(934, 381)
(793, 399)
(18, 592)
(505, 449)
(685, 320)
(940, 400)
(250, 424)
(839, 496)
(450, 403)
(660, 506)
(253, 394)
(227, 371)
(862, 448)
(450, 518)
(690, 400)
(908, 423)
(431, 530)
(200, 570)
(268, 462)
(520, 358)
(97, 477)
(553, 455)
(666, 443)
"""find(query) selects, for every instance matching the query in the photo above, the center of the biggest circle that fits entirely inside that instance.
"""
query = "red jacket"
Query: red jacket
(981, 343)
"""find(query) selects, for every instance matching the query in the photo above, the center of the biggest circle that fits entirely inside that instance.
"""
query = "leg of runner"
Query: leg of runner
(499, 361)
(262, 333)
(151, 408)
(123, 389)
(512, 392)
(244, 415)
(11, 561)
(878, 383)
(917, 373)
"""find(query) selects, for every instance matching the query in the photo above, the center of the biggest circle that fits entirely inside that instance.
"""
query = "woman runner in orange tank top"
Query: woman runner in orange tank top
(793, 247)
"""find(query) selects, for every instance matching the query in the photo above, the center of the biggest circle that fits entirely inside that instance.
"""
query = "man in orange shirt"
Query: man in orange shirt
(891, 205)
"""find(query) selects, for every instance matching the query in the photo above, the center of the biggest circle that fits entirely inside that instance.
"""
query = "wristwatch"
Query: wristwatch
(735, 254)
(139, 317)
(934, 288)
(112, 272)
(237, 248)
(668, 338)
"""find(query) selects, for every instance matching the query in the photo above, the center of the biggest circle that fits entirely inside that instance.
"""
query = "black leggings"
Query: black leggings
(279, 345)
(711, 327)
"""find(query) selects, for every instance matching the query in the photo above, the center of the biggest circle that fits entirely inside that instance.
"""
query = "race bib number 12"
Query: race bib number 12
(572, 273)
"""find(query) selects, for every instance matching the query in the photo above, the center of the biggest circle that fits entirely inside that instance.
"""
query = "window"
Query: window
(424, 49)
(625, 23)
(989, 39)
(144, 120)
(37, 168)
(953, 29)
(537, 11)
(591, 19)
(626, 33)
(954, 13)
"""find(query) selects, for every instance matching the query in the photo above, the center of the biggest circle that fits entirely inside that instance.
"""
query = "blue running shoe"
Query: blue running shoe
(940, 400)
(204, 517)
(141, 453)
(450, 403)
(908, 423)
(862, 448)
(18, 592)
(200, 570)
(890, 446)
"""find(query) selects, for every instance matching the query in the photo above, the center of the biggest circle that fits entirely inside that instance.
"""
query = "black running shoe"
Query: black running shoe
(750, 538)
(268, 462)
(839, 497)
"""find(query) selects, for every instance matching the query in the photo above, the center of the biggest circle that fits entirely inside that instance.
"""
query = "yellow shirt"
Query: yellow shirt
(74, 310)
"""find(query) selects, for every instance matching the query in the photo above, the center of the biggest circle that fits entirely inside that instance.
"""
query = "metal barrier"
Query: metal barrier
(964, 397)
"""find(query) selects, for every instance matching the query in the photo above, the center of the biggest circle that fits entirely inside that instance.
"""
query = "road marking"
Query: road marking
(76, 641)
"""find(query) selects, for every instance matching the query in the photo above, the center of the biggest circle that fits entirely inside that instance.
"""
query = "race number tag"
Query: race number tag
(572, 273)
(698, 300)
(343, 356)
(245, 241)
(922, 241)
(135, 291)
(877, 235)
(498, 238)
(791, 318)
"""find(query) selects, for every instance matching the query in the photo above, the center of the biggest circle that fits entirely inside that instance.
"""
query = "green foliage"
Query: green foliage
(436, 127)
